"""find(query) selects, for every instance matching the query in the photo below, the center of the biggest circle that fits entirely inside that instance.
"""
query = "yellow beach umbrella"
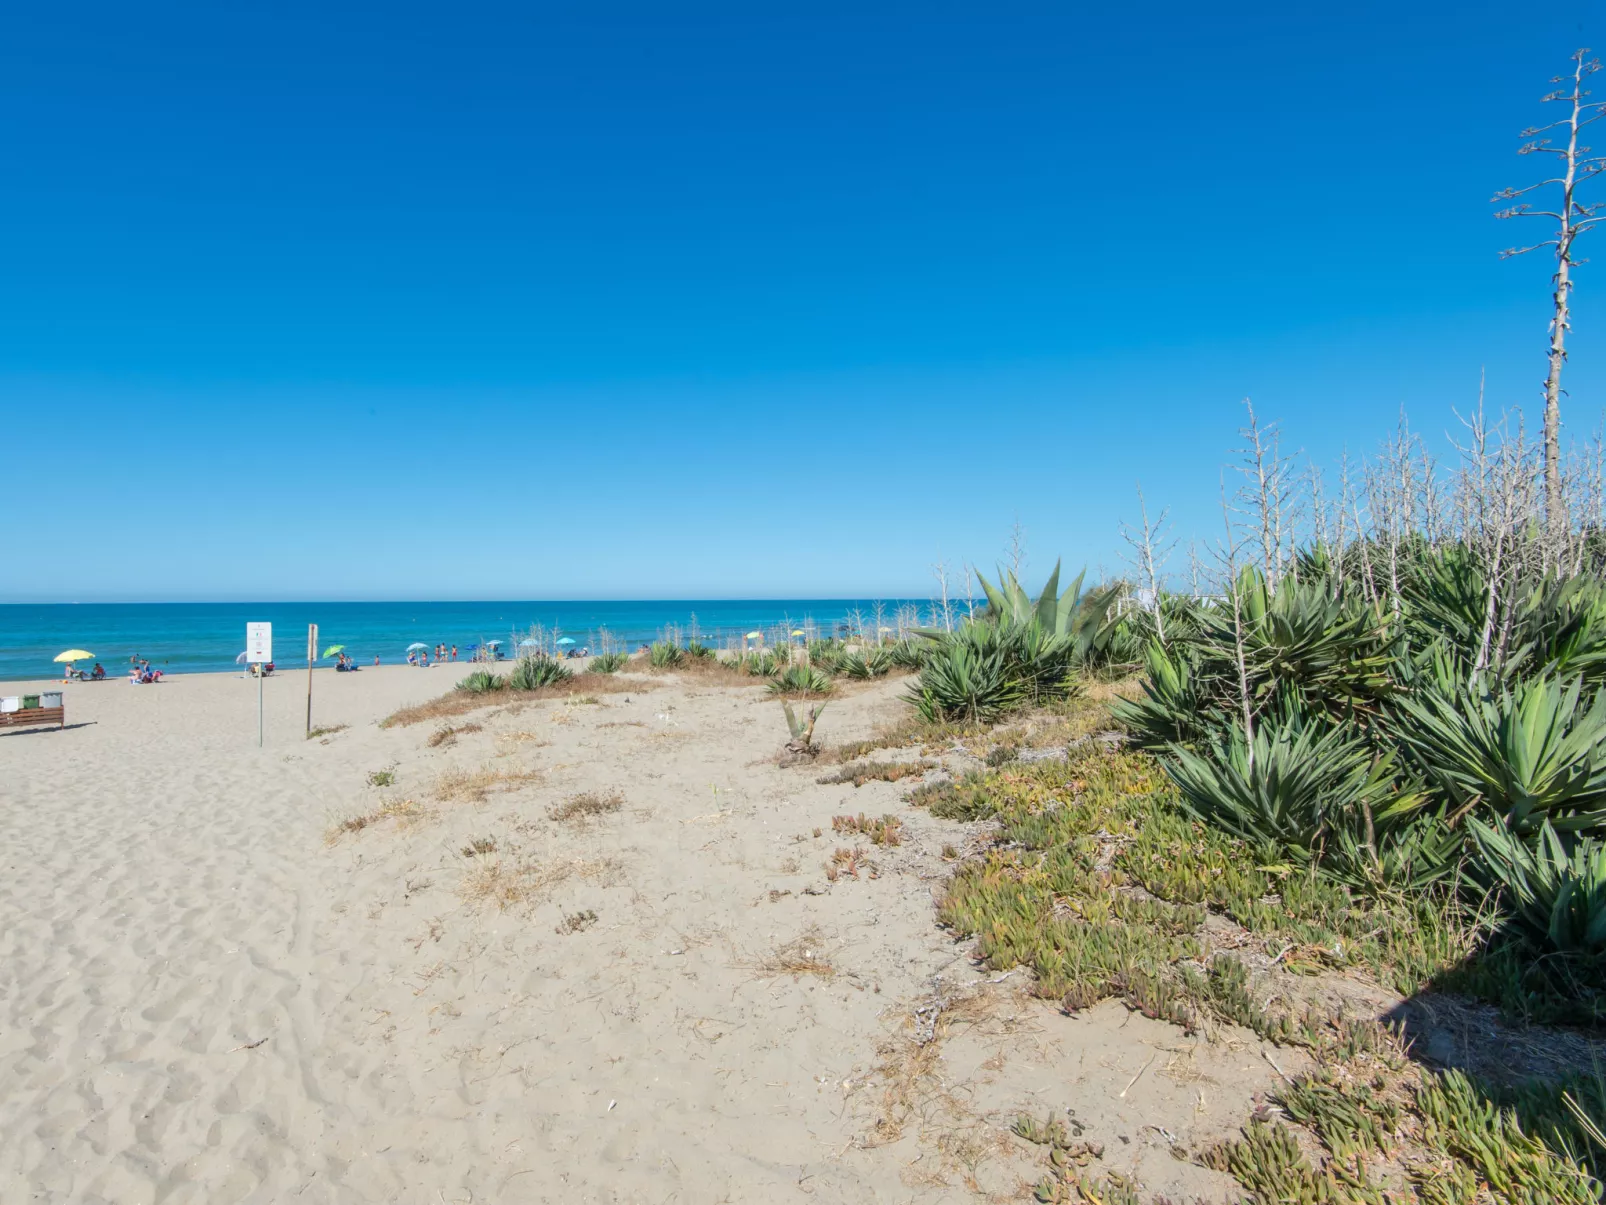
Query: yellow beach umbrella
(797, 631)
(755, 636)
(72, 655)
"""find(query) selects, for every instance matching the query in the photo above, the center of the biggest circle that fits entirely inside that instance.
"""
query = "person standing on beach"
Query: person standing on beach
(454, 652)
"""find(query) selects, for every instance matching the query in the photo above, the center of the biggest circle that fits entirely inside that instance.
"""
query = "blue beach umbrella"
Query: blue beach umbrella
(565, 640)
(415, 646)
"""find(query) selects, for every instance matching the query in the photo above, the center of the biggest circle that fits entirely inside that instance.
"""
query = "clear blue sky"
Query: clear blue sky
(728, 299)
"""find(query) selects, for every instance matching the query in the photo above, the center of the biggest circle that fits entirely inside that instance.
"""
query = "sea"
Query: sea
(208, 637)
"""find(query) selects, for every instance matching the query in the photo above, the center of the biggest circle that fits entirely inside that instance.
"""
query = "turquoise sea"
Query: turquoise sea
(203, 637)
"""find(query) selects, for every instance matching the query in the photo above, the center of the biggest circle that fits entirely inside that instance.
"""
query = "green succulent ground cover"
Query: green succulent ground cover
(1101, 880)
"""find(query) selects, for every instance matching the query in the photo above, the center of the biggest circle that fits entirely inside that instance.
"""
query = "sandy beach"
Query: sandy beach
(589, 951)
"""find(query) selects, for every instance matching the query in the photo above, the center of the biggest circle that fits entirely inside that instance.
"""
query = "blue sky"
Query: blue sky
(621, 300)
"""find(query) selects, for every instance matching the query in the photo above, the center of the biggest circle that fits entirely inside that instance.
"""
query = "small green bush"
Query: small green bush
(532, 673)
(608, 663)
(665, 654)
(482, 682)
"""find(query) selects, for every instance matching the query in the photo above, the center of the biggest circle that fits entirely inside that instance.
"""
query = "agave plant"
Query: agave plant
(1556, 895)
(963, 680)
(1529, 753)
(802, 729)
(1308, 641)
(874, 663)
(696, 650)
(481, 682)
(759, 665)
(665, 654)
(1173, 710)
(1287, 787)
(608, 663)
(908, 654)
(532, 673)
(801, 680)
(824, 655)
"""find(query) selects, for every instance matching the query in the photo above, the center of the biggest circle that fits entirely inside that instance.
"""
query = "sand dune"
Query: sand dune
(238, 975)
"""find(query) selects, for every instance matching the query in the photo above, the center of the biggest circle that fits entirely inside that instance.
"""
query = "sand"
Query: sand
(213, 988)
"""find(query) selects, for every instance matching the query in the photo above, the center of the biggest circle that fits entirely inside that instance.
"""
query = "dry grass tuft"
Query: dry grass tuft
(509, 882)
(460, 702)
(886, 831)
(480, 847)
(473, 785)
(405, 812)
(329, 731)
(448, 735)
(887, 771)
(576, 922)
(586, 806)
(506, 883)
(803, 955)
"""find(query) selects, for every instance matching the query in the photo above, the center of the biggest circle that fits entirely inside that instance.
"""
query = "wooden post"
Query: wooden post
(312, 655)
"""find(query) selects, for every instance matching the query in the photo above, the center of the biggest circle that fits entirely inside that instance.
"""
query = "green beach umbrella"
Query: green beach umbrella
(333, 649)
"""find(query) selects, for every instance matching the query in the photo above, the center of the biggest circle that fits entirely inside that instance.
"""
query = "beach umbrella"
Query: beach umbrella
(333, 649)
(754, 636)
(240, 660)
(532, 644)
(797, 631)
(72, 655)
(415, 646)
(489, 643)
(565, 640)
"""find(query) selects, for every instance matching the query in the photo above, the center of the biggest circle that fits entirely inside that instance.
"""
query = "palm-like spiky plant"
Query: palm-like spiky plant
(1287, 788)
(1529, 753)
(1555, 893)
(532, 673)
(801, 680)
(665, 654)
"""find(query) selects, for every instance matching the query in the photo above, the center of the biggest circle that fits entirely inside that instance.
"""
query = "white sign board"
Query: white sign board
(259, 643)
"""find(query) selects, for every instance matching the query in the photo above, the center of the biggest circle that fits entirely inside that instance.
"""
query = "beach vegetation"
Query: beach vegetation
(801, 681)
(482, 682)
(447, 734)
(883, 771)
(587, 805)
(532, 673)
(801, 728)
(665, 654)
(608, 663)
(888, 830)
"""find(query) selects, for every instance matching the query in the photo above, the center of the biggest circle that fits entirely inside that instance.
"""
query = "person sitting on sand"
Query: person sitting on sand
(98, 673)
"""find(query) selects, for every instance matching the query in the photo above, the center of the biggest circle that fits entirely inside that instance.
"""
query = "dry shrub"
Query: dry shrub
(586, 806)
(473, 785)
(887, 771)
(461, 702)
(803, 955)
(405, 812)
(449, 734)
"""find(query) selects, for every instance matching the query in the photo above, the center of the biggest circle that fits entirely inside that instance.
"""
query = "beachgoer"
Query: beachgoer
(376, 660)
(98, 672)
(454, 652)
